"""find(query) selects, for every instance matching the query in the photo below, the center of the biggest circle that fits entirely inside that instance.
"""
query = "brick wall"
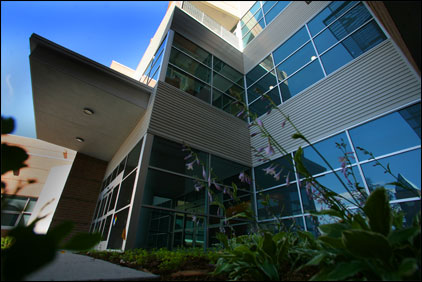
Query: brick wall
(80, 193)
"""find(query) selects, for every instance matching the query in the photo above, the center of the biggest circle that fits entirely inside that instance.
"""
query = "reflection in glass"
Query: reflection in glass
(227, 172)
(227, 86)
(250, 13)
(289, 224)
(118, 230)
(301, 80)
(283, 166)
(265, 84)
(261, 106)
(126, 188)
(190, 65)
(389, 133)
(133, 158)
(192, 49)
(296, 61)
(228, 71)
(226, 103)
(8, 219)
(257, 72)
(283, 201)
(187, 83)
(406, 169)
(410, 210)
(275, 10)
(293, 43)
(252, 22)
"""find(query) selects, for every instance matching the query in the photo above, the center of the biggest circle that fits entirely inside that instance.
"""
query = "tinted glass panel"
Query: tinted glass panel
(24, 219)
(268, 5)
(169, 155)
(227, 172)
(312, 202)
(172, 191)
(133, 158)
(252, 22)
(190, 65)
(406, 169)
(254, 32)
(8, 219)
(276, 10)
(118, 230)
(227, 86)
(126, 189)
(329, 15)
(283, 164)
(113, 198)
(287, 225)
(265, 84)
(294, 42)
(283, 201)
(390, 133)
(313, 162)
(301, 80)
(353, 46)
(225, 103)
(297, 60)
(228, 71)
(107, 227)
(250, 13)
(257, 72)
(188, 84)
(261, 106)
(192, 49)
(15, 203)
(410, 210)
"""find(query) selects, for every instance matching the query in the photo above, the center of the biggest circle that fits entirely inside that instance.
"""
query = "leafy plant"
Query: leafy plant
(25, 250)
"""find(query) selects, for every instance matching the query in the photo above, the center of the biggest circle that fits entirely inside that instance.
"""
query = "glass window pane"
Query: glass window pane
(252, 22)
(228, 87)
(283, 201)
(329, 15)
(226, 103)
(268, 5)
(174, 192)
(396, 131)
(118, 230)
(265, 84)
(113, 199)
(276, 10)
(301, 80)
(286, 225)
(296, 61)
(133, 158)
(228, 171)
(31, 205)
(257, 72)
(107, 227)
(15, 203)
(261, 106)
(122, 166)
(228, 71)
(282, 166)
(313, 162)
(255, 30)
(168, 155)
(294, 42)
(192, 49)
(341, 28)
(410, 210)
(250, 13)
(188, 84)
(126, 190)
(191, 66)
(406, 169)
(311, 201)
(248, 38)
(8, 219)
(353, 46)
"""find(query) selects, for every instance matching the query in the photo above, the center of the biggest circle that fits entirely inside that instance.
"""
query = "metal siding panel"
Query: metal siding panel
(280, 29)
(367, 87)
(184, 117)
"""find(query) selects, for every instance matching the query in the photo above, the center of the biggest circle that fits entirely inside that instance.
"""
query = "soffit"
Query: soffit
(64, 83)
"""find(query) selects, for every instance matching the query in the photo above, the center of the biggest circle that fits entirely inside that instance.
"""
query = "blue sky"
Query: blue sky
(102, 31)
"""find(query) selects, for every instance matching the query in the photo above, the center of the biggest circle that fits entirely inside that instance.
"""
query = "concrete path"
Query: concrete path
(73, 267)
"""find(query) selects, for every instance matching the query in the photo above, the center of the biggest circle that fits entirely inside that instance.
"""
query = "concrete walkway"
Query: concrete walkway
(73, 267)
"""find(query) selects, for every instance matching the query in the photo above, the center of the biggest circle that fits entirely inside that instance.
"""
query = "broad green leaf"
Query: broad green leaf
(336, 243)
(330, 212)
(297, 136)
(407, 267)
(316, 260)
(367, 244)
(345, 270)
(333, 229)
(223, 239)
(59, 232)
(82, 241)
(378, 210)
(298, 162)
(269, 246)
(7, 125)
(269, 270)
(400, 235)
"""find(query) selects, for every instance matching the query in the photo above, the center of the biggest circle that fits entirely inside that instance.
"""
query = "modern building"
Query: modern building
(344, 72)
(48, 167)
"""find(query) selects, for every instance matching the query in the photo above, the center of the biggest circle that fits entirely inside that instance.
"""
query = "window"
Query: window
(17, 210)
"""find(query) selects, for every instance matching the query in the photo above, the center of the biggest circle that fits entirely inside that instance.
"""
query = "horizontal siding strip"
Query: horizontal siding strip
(368, 87)
(187, 118)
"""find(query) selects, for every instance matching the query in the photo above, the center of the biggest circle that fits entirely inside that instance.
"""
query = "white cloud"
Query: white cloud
(9, 85)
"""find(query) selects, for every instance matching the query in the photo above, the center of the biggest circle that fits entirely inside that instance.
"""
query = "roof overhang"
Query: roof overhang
(64, 83)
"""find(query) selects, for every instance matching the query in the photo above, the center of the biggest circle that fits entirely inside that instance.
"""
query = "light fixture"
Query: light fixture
(79, 139)
(271, 87)
(313, 58)
(88, 111)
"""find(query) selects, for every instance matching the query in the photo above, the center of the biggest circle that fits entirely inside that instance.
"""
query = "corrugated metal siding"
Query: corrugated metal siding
(179, 116)
(378, 81)
(280, 29)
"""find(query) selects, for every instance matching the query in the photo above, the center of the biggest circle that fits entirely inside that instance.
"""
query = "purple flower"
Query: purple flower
(259, 122)
(198, 186)
(194, 218)
(269, 150)
(287, 179)
(269, 170)
(283, 124)
(277, 176)
(254, 134)
(217, 186)
(190, 165)
(240, 113)
(188, 156)
(204, 174)
(209, 196)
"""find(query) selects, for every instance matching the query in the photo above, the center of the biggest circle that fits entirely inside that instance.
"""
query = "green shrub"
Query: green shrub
(6, 242)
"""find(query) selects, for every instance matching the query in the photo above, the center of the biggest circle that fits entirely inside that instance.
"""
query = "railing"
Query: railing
(211, 24)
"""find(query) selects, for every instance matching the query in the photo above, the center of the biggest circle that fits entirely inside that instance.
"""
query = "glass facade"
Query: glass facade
(395, 143)
(179, 213)
(150, 76)
(16, 211)
(203, 75)
(258, 17)
(334, 37)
